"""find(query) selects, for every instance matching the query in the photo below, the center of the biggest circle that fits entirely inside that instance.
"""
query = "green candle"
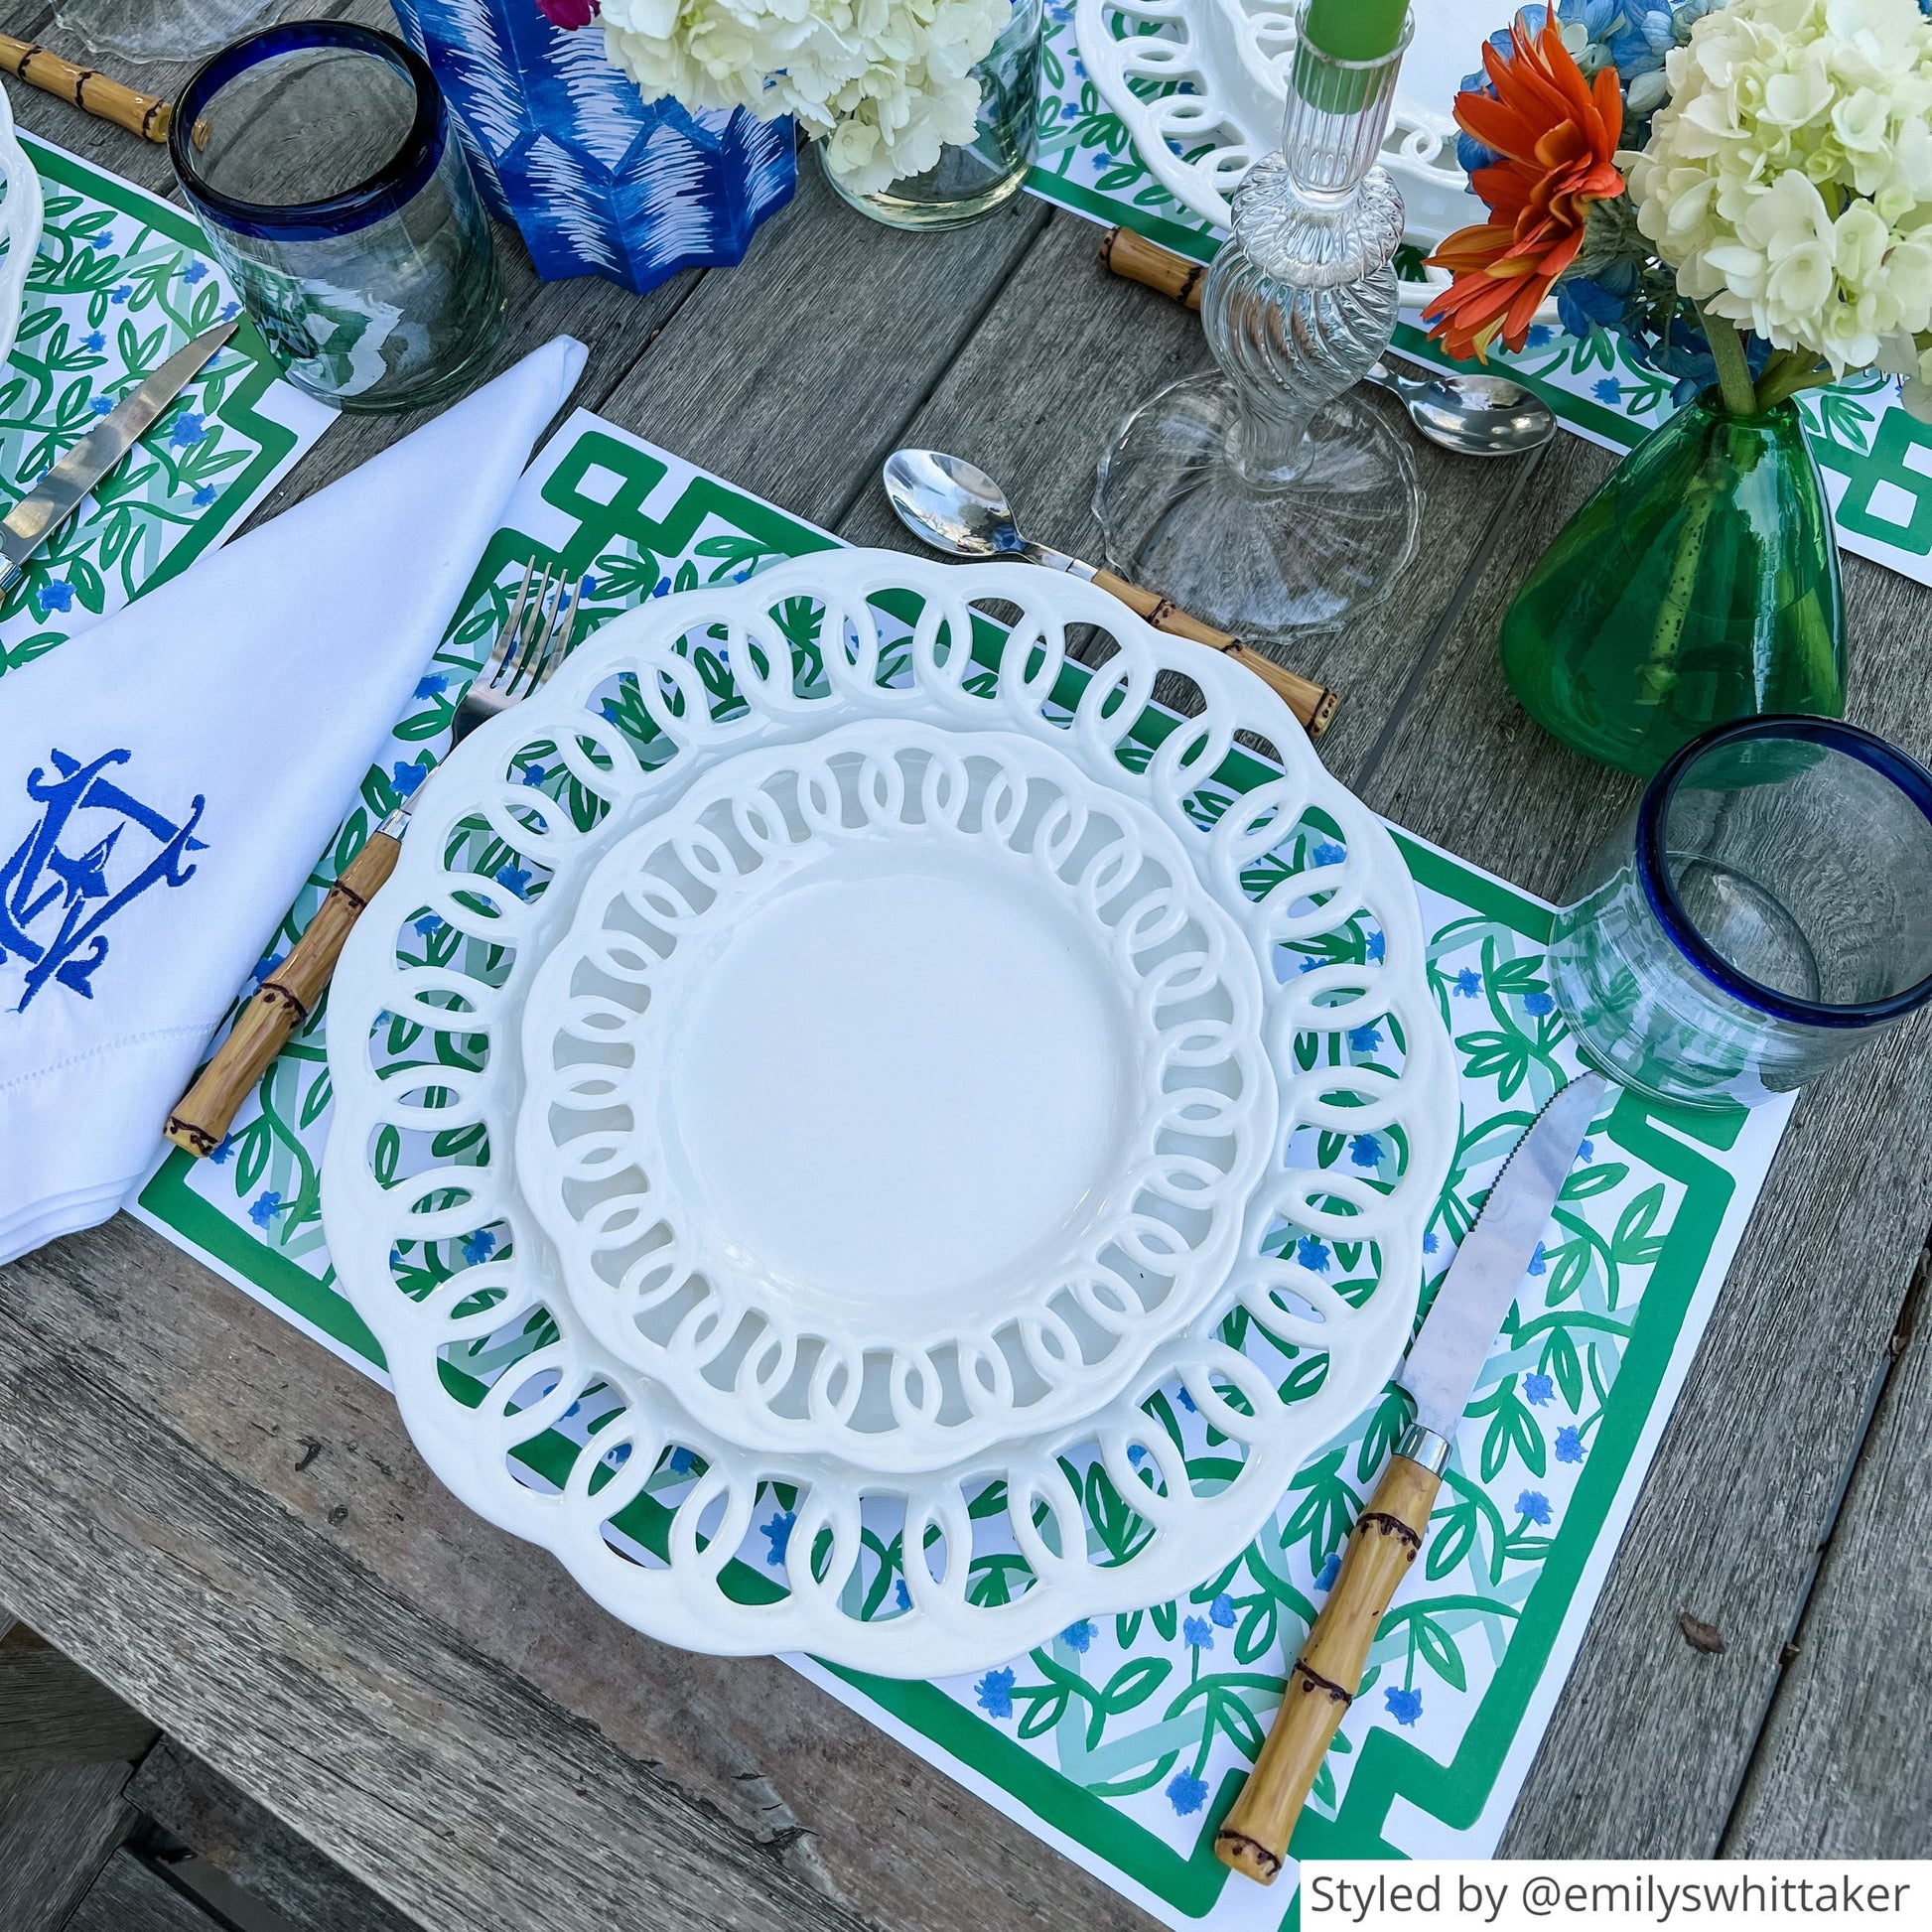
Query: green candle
(1357, 30)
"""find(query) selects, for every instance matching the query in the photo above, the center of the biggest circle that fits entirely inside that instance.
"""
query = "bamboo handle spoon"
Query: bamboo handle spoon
(958, 508)
(93, 93)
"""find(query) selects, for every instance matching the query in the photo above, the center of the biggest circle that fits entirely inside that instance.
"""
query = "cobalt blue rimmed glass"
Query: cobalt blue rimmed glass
(320, 157)
(1766, 910)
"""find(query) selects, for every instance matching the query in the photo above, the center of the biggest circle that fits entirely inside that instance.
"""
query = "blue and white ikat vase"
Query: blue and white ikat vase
(597, 182)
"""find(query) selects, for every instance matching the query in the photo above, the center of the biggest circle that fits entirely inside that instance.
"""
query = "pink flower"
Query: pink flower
(568, 13)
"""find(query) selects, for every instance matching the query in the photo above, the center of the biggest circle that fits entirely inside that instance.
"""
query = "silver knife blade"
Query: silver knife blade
(51, 501)
(1446, 1356)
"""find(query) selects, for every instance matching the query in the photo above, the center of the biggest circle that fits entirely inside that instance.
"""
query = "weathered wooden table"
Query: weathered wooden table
(232, 1529)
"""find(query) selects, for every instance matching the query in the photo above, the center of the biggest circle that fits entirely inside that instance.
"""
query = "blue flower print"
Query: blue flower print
(1429, 1243)
(264, 1208)
(1195, 1633)
(1365, 1151)
(682, 1461)
(1469, 982)
(102, 241)
(1607, 389)
(1221, 1612)
(404, 779)
(429, 925)
(534, 774)
(1187, 1793)
(1538, 1265)
(1539, 336)
(479, 1247)
(1136, 1456)
(1312, 1254)
(189, 430)
(102, 405)
(196, 271)
(229, 309)
(121, 294)
(1533, 1505)
(586, 589)
(1405, 1707)
(1537, 1390)
(94, 344)
(1377, 946)
(514, 879)
(1325, 1577)
(1569, 1446)
(1186, 1401)
(994, 1692)
(432, 686)
(205, 497)
(1536, 1005)
(902, 1596)
(224, 1153)
(1078, 1636)
(1327, 852)
(57, 596)
(1584, 1152)
(269, 964)
(1364, 1039)
(778, 1533)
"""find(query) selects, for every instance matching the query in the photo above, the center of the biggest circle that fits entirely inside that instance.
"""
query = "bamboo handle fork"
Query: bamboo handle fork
(531, 644)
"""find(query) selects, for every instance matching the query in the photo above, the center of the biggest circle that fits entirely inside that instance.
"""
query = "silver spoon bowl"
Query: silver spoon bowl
(957, 507)
(1472, 415)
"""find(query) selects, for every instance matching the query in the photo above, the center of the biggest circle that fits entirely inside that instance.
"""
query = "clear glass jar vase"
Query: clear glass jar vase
(973, 180)
(1700, 584)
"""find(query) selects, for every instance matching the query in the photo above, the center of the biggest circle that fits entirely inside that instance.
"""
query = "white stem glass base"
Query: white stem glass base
(1265, 563)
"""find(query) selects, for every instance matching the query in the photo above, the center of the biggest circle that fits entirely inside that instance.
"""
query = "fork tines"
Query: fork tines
(536, 636)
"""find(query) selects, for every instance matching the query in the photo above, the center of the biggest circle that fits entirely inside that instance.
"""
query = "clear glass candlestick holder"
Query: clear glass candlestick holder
(1270, 498)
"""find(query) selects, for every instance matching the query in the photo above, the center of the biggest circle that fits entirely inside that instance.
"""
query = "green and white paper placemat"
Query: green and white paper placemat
(1123, 1741)
(121, 281)
(1876, 460)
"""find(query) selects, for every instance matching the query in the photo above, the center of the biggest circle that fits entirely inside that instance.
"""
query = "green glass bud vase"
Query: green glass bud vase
(1699, 585)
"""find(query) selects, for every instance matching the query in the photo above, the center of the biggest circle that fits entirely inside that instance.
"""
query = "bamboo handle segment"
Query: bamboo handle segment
(1252, 1838)
(93, 93)
(1314, 705)
(1136, 259)
(285, 1000)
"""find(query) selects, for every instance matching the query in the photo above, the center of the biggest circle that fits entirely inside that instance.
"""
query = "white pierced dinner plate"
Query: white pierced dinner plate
(21, 214)
(841, 1135)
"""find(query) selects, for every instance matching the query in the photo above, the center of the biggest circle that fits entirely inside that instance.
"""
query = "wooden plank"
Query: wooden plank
(795, 373)
(1841, 1770)
(1035, 398)
(250, 1844)
(58, 1827)
(233, 1530)
(53, 1713)
(129, 1898)
(1651, 1738)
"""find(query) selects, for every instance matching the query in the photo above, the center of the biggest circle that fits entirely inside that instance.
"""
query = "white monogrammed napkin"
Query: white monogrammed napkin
(168, 779)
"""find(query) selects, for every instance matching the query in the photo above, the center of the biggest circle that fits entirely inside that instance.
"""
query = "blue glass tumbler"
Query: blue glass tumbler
(319, 158)
(1765, 912)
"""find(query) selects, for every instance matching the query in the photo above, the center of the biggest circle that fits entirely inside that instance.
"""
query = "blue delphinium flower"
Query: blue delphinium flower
(1325, 1577)
(1570, 1445)
(1365, 1151)
(1078, 1636)
(1221, 1612)
(1538, 1264)
(1364, 1039)
(994, 1692)
(1195, 1633)
(1533, 1505)
(1536, 1005)
(1537, 1390)
(479, 1247)
(1187, 1793)
(1327, 852)
(1469, 982)
(264, 1208)
(57, 596)
(1405, 1707)
(1312, 1254)
(1377, 946)
(778, 1533)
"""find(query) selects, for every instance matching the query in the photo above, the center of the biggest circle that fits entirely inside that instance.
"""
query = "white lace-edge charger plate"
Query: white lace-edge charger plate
(764, 844)
(21, 214)
(1201, 85)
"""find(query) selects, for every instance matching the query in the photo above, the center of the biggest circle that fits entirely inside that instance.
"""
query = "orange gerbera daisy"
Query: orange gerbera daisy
(1555, 135)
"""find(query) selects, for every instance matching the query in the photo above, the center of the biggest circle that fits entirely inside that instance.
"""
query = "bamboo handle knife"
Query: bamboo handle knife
(1322, 1683)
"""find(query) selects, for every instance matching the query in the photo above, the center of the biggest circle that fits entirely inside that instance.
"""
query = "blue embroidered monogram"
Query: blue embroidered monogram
(95, 851)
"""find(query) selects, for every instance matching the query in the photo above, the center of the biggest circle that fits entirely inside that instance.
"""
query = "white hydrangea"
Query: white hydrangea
(889, 81)
(1788, 180)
